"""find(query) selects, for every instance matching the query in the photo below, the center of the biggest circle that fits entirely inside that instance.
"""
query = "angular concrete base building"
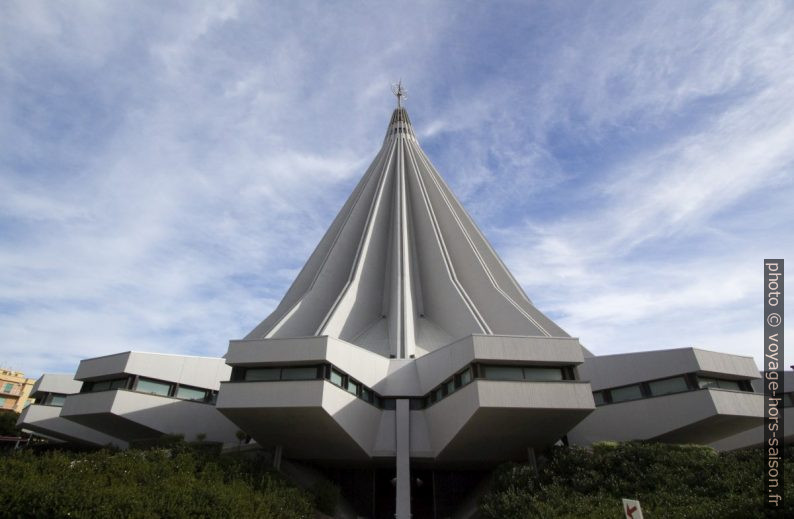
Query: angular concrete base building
(755, 437)
(405, 361)
(685, 395)
(140, 396)
(44, 416)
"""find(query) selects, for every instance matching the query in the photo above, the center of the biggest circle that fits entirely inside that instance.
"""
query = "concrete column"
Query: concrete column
(277, 457)
(403, 437)
(533, 460)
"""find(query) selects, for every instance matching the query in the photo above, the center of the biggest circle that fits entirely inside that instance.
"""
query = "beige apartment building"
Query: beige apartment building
(14, 390)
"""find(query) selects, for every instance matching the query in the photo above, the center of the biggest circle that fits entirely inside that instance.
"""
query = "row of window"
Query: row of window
(53, 399)
(314, 372)
(446, 388)
(496, 372)
(153, 387)
(667, 386)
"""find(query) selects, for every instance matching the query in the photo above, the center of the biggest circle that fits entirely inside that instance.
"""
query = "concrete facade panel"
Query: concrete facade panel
(146, 416)
(630, 368)
(655, 417)
(536, 395)
(56, 383)
(105, 366)
(204, 372)
(253, 352)
(253, 395)
(723, 364)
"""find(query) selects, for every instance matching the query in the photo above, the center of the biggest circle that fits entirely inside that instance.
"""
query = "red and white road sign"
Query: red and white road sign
(631, 509)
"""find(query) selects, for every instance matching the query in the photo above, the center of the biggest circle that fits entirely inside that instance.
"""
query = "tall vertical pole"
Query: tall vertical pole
(403, 444)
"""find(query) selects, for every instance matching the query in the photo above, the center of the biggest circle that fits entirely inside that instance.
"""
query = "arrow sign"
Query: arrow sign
(632, 509)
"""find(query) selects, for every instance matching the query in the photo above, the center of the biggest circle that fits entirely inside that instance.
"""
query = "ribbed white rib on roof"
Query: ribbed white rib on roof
(403, 269)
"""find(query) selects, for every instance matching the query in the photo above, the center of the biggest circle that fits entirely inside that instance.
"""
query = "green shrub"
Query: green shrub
(670, 481)
(158, 442)
(177, 482)
(8, 423)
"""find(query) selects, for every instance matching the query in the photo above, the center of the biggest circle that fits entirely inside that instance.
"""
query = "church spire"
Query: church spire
(403, 270)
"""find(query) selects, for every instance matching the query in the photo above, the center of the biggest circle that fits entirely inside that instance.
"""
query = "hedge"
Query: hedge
(670, 481)
(178, 482)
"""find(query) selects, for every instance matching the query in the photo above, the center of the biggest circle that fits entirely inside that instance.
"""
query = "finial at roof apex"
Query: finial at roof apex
(401, 93)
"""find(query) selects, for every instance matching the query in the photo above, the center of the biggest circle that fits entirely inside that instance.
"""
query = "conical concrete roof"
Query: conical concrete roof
(403, 269)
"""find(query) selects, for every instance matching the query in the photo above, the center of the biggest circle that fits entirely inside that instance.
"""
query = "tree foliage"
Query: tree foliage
(670, 481)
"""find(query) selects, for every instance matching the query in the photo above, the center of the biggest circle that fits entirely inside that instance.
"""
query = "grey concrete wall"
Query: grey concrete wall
(203, 372)
(755, 436)
(655, 417)
(630, 368)
(163, 414)
(56, 383)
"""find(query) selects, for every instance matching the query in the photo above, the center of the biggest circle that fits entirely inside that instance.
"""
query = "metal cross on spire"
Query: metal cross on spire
(400, 92)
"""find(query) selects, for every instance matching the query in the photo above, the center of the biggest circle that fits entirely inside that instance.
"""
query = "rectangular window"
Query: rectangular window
(352, 387)
(105, 385)
(389, 404)
(262, 374)
(153, 387)
(668, 386)
(788, 400)
(366, 395)
(598, 397)
(624, 394)
(503, 372)
(299, 373)
(120, 383)
(2, 403)
(191, 393)
(721, 383)
(336, 378)
(542, 374)
(450, 386)
(8, 387)
(102, 385)
(733, 385)
(56, 400)
(465, 377)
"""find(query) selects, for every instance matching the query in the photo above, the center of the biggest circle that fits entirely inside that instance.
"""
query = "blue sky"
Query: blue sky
(167, 167)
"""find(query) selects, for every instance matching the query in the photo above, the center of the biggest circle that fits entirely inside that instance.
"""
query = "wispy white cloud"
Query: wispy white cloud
(656, 258)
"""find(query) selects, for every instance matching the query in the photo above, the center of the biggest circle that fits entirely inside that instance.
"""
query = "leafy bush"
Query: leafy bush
(670, 481)
(176, 482)
(8, 423)
(166, 441)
